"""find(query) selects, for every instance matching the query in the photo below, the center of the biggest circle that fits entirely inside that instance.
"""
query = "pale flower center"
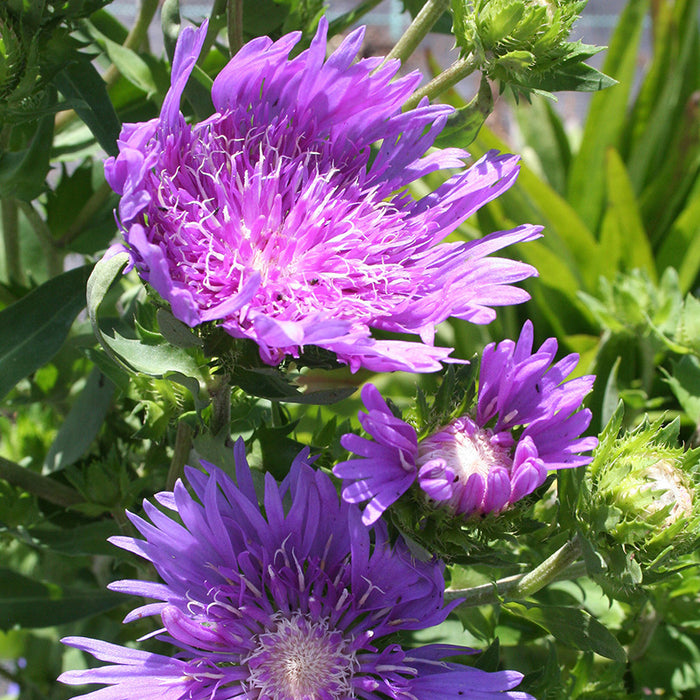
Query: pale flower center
(466, 449)
(298, 659)
(664, 477)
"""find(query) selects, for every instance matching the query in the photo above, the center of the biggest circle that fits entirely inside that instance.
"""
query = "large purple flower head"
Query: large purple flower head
(525, 423)
(284, 217)
(292, 601)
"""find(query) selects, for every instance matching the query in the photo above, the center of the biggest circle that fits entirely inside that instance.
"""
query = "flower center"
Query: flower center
(298, 659)
(465, 448)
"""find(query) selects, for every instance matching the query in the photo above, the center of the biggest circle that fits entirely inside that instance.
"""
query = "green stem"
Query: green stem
(181, 451)
(221, 406)
(444, 81)
(559, 565)
(419, 28)
(647, 626)
(340, 24)
(234, 23)
(41, 486)
(137, 35)
(85, 215)
(10, 237)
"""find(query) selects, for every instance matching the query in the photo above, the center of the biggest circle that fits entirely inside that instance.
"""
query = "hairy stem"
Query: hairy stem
(444, 81)
(221, 406)
(10, 238)
(418, 29)
(648, 623)
(41, 486)
(234, 23)
(181, 451)
(558, 566)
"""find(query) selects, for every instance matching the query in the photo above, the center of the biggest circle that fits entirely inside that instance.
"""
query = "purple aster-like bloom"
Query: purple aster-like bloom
(294, 600)
(284, 217)
(526, 422)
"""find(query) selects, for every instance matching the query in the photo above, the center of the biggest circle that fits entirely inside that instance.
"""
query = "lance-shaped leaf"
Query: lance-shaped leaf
(33, 329)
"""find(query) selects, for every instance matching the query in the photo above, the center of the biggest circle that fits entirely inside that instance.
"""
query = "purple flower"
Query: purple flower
(526, 422)
(284, 217)
(292, 601)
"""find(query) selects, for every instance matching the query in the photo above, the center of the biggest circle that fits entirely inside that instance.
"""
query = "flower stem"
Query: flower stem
(648, 623)
(135, 37)
(181, 450)
(418, 29)
(234, 23)
(559, 565)
(10, 238)
(221, 407)
(41, 486)
(444, 81)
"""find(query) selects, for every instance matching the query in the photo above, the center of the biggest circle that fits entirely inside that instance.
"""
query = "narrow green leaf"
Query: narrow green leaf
(23, 173)
(684, 381)
(33, 329)
(29, 603)
(663, 97)
(81, 83)
(270, 383)
(606, 116)
(531, 199)
(463, 125)
(106, 271)
(623, 240)
(573, 628)
(680, 248)
(128, 62)
(572, 76)
(82, 423)
(77, 541)
(154, 360)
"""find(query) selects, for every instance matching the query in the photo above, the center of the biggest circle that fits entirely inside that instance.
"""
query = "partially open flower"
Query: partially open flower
(526, 422)
(285, 216)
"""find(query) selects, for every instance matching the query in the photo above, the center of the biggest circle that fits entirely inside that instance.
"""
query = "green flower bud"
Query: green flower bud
(524, 44)
(640, 503)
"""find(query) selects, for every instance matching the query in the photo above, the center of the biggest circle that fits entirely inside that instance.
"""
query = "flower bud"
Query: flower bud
(642, 497)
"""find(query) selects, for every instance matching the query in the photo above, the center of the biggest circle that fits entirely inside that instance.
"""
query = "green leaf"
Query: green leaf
(82, 423)
(270, 383)
(623, 240)
(606, 117)
(106, 271)
(83, 85)
(532, 199)
(128, 62)
(33, 329)
(684, 381)
(23, 173)
(29, 603)
(572, 627)
(463, 125)
(154, 360)
(78, 541)
(572, 76)
(680, 247)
